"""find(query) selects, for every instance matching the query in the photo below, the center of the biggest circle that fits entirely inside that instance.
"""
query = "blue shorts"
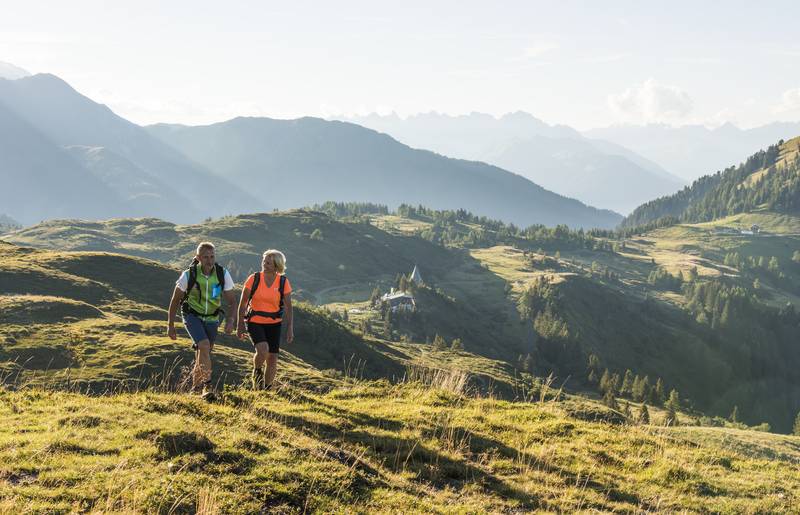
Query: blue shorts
(200, 329)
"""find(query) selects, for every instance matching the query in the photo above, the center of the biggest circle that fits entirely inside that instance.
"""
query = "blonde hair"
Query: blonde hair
(204, 245)
(278, 259)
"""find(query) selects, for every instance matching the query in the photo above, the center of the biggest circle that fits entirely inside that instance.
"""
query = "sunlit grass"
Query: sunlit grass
(373, 446)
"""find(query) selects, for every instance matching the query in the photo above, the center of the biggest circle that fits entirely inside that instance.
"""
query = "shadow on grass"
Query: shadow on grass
(405, 454)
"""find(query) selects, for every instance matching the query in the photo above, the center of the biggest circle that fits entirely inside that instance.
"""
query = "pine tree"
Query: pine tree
(528, 363)
(658, 393)
(796, 428)
(439, 343)
(614, 383)
(672, 417)
(627, 384)
(609, 400)
(604, 381)
(641, 391)
(592, 377)
(636, 387)
(456, 344)
(734, 416)
(774, 266)
(674, 401)
(387, 323)
(627, 412)
(725, 318)
(644, 415)
(594, 363)
(375, 297)
(345, 315)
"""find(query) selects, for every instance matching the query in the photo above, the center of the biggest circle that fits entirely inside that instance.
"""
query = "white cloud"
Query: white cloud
(607, 58)
(790, 101)
(533, 52)
(651, 102)
(539, 49)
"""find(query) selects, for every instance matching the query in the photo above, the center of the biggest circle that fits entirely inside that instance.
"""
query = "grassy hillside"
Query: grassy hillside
(431, 432)
(657, 306)
(701, 306)
(99, 320)
(769, 179)
(373, 447)
(322, 252)
(328, 261)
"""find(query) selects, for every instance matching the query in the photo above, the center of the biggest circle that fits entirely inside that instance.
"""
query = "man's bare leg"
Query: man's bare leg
(202, 365)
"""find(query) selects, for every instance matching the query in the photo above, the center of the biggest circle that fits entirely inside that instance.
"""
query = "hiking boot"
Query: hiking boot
(208, 395)
(196, 389)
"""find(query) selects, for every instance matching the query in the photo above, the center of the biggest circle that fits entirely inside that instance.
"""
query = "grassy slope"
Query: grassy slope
(345, 264)
(661, 341)
(354, 253)
(98, 318)
(657, 337)
(788, 153)
(371, 447)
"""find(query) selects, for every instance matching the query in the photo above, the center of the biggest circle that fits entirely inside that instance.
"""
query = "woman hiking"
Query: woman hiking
(265, 303)
(199, 292)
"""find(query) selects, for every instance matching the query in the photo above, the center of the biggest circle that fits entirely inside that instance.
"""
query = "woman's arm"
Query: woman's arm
(243, 301)
(289, 316)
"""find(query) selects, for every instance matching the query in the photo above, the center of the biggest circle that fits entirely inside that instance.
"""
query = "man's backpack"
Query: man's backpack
(266, 314)
(192, 282)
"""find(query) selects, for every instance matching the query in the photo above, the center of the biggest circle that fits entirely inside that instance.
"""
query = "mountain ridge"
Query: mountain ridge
(359, 164)
(69, 118)
(562, 166)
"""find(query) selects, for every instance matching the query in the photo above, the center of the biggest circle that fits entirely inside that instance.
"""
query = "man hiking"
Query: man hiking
(199, 292)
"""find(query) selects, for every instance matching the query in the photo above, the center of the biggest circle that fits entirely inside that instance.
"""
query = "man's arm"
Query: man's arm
(230, 300)
(177, 297)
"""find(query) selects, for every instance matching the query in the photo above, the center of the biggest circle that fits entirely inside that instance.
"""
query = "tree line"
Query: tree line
(726, 193)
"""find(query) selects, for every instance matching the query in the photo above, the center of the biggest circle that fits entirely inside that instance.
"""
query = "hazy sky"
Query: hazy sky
(584, 64)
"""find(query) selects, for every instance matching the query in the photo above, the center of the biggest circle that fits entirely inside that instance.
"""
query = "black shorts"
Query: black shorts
(270, 333)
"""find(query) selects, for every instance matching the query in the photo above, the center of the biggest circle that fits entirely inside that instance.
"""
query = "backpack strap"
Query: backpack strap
(192, 279)
(281, 287)
(220, 276)
(254, 287)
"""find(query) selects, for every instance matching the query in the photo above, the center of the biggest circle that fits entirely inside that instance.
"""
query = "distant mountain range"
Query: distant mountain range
(693, 151)
(557, 157)
(69, 156)
(66, 156)
(8, 224)
(11, 72)
(309, 160)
